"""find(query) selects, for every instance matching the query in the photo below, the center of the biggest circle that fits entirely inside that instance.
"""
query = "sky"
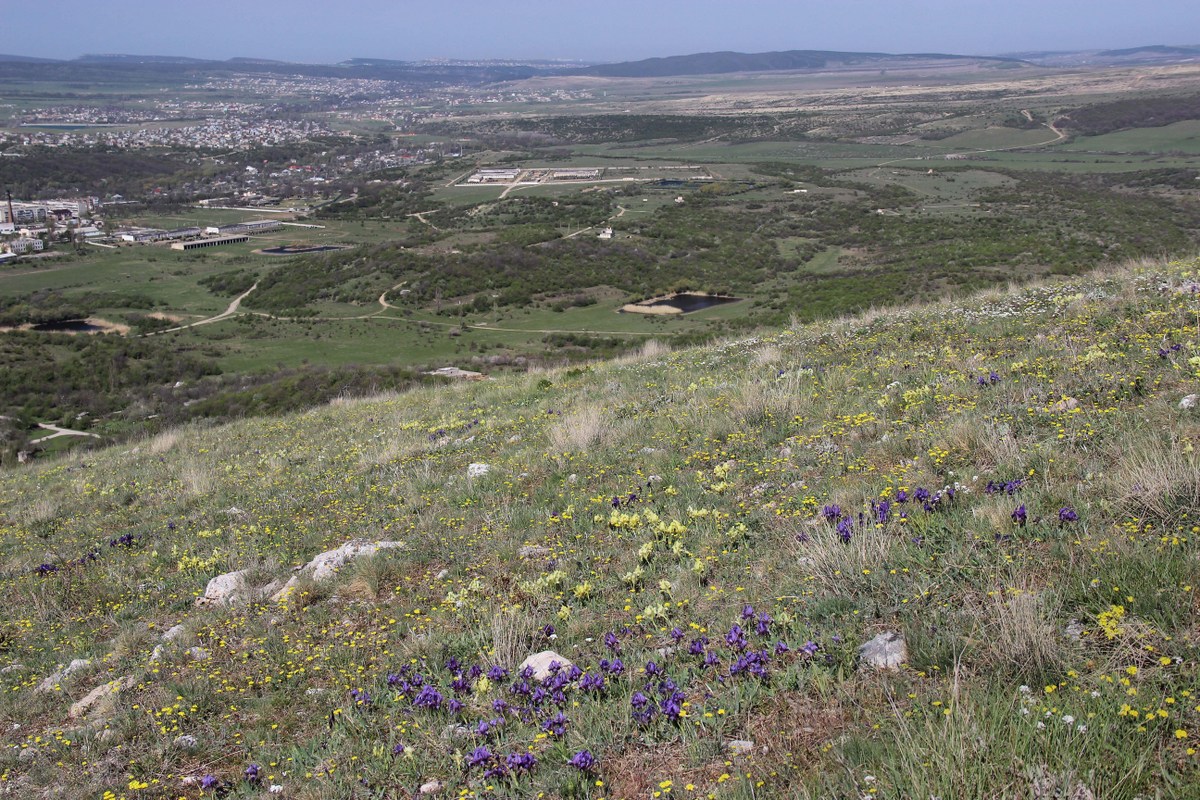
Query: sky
(328, 31)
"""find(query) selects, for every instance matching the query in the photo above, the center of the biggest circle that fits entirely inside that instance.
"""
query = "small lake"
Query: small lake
(687, 303)
(681, 303)
(67, 326)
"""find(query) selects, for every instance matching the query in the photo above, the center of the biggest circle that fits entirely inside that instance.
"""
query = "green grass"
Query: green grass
(1180, 137)
(726, 463)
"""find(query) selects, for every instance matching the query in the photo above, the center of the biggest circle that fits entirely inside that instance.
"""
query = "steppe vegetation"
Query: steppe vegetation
(1007, 480)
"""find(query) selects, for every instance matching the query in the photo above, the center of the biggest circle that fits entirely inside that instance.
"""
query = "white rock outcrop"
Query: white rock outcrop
(227, 589)
(54, 679)
(100, 703)
(326, 565)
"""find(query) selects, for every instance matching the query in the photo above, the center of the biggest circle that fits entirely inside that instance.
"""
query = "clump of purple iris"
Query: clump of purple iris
(556, 726)
(209, 782)
(1067, 514)
(1019, 515)
(251, 773)
(583, 761)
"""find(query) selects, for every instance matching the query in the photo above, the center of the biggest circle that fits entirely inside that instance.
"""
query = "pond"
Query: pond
(68, 326)
(687, 303)
(680, 303)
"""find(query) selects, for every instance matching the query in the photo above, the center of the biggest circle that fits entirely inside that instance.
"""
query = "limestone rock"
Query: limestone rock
(478, 470)
(540, 664)
(1190, 401)
(885, 651)
(61, 675)
(1066, 404)
(173, 633)
(740, 747)
(327, 564)
(227, 589)
(430, 787)
(455, 732)
(101, 702)
(187, 741)
(284, 594)
(533, 551)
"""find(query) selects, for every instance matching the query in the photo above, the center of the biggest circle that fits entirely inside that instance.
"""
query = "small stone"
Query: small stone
(540, 664)
(156, 654)
(514, 439)
(885, 651)
(430, 787)
(441, 576)
(740, 747)
(173, 633)
(1066, 404)
(572, 478)
(28, 754)
(649, 451)
(453, 732)
(12, 668)
(478, 470)
(664, 652)
(533, 551)
(655, 479)
(198, 653)
(1190, 401)
(187, 741)
(1074, 630)
(313, 692)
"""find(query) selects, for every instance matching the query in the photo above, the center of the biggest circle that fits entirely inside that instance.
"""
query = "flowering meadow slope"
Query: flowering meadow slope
(1008, 484)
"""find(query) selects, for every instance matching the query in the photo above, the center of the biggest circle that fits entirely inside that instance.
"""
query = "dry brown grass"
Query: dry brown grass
(198, 480)
(512, 634)
(580, 429)
(1155, 480)
(1017, 633)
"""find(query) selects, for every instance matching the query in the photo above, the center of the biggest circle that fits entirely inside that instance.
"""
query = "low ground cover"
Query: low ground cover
(1008, 482)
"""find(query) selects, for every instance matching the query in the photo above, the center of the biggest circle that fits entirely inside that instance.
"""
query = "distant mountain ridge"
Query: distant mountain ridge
(497, 70)
(724, 62)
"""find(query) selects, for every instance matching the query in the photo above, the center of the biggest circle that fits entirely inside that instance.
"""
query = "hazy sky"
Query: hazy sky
(322, 31)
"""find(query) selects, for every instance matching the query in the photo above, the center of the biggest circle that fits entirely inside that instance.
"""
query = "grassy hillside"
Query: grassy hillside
(1008, 482)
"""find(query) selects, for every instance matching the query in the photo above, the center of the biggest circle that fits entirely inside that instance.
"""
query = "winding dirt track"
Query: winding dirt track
(229, 311)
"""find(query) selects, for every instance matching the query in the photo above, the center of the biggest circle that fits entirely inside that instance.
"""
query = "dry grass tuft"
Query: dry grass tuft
(512, 637)
(197, 479)
(163, 443)
(37, 511)
(1018, 634)
(580, 429)
(1155, 480)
